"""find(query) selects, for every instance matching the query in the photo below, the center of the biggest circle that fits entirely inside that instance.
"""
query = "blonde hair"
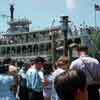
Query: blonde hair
(63, 59)
(12, 70)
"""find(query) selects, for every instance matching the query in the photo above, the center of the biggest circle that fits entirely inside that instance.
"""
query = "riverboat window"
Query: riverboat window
(8, 50)
(3, 51)
(13, 51)
(24, 50)
(29, 48)
(18, 50)
(35, 49)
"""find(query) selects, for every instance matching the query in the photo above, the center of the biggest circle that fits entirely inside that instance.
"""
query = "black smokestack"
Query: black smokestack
(12, 12)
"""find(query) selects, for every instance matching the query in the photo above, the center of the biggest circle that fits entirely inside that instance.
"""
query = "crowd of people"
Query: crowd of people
(37, 80)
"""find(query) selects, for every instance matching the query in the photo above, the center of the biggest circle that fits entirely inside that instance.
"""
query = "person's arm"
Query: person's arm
(14, 86)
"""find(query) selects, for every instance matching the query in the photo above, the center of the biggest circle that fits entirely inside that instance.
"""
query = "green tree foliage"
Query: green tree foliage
(96, 39)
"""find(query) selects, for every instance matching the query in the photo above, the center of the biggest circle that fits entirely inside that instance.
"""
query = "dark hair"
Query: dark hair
(39, 59)
(3, 68)
(83, 48)
(67, 83)
(48, 69)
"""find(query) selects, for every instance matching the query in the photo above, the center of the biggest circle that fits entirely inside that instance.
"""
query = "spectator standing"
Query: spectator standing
(8, 83)
(62, 64)
(48, 81)
(89, 66)
(23, 91)
(34, 79)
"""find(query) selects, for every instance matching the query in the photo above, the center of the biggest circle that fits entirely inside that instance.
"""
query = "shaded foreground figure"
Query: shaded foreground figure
(71, 85)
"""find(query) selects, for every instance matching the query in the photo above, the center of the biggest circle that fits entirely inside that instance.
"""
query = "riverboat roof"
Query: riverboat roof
(20, 22)
(33, 31)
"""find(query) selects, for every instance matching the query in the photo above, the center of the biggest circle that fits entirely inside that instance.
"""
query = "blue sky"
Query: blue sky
(42, 12)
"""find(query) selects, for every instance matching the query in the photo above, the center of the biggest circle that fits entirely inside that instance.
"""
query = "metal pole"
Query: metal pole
(53, 48)
(64, 21)
(52, 35)
(12, 12)
(95, 17)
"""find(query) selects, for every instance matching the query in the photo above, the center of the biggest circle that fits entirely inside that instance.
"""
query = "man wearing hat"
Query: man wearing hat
(35, 79)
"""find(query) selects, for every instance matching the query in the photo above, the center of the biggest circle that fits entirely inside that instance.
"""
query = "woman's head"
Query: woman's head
(71, 85)
(63, 62)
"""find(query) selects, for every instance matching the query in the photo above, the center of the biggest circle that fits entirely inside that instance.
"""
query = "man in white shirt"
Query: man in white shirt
(89, 66)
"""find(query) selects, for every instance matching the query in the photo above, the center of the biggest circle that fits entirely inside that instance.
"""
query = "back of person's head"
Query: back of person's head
(83, 48)
(69, 83)
(48, 69)
(63, 61)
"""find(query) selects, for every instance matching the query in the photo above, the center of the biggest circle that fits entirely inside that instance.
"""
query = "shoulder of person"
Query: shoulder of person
(91, 59)
(31, 70)
(75, 63)
(57, 72)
